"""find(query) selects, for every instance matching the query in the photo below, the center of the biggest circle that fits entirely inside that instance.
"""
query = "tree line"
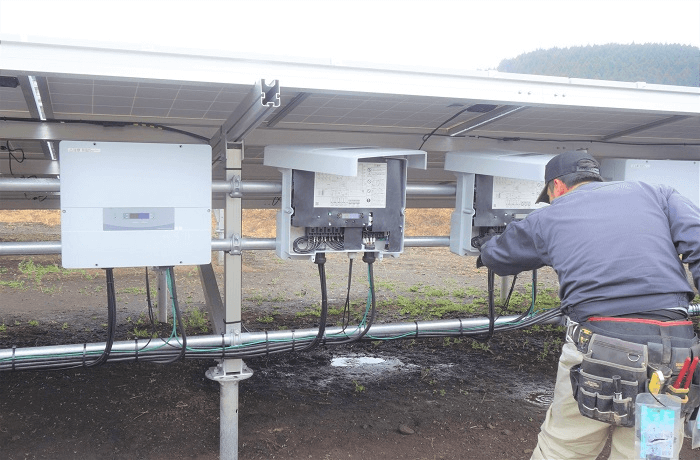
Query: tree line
(651, 63)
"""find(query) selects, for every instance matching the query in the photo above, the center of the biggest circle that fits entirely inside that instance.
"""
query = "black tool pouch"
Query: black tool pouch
(593, 381)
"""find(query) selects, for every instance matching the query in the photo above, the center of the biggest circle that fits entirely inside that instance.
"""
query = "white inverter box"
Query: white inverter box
(134, 204)
(684, 176)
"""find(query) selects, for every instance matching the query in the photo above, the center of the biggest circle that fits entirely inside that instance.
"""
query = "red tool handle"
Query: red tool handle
(691, 371)
(681, 374)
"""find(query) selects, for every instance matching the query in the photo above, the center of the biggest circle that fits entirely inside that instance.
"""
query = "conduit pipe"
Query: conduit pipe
(231, 346)
(123, 351)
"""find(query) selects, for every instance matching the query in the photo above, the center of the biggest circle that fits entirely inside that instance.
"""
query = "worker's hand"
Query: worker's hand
(479, 241)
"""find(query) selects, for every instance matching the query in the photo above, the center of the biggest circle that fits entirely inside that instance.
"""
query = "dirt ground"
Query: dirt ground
(403, 399)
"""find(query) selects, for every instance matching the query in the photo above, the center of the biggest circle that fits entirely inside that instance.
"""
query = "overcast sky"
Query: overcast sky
(466, 34)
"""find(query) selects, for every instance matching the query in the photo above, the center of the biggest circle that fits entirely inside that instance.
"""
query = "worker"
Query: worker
(615, 247)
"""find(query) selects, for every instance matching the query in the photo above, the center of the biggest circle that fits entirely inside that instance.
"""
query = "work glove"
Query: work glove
(479, 241)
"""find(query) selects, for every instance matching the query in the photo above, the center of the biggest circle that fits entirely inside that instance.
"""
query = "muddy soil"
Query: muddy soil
(403, 399)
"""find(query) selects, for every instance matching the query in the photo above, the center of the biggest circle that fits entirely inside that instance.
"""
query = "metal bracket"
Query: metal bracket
(235, 185)
(262, 99)
(218, 374)
(236, 245)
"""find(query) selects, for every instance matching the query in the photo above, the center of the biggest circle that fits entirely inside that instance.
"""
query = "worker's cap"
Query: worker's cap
(567, 163)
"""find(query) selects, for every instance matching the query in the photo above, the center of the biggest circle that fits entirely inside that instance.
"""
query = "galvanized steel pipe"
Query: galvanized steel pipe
(29, 248)
(246, 244)
(431, 189)
(15, 184)
(34, 184)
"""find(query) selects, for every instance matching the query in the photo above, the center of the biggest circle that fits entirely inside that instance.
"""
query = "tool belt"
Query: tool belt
(620, 355)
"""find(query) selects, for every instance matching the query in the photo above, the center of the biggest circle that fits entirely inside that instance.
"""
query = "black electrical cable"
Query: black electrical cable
(320, 260)
(428, 136)
(492, 310)
(369, 258)
(528, 311)
(309, 246)
(149, 302)
(111, 320)
(534, 287)
(592, 141)
(11, 156)
(346, 309)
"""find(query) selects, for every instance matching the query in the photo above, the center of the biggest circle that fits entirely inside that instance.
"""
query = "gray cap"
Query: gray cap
(563, 164)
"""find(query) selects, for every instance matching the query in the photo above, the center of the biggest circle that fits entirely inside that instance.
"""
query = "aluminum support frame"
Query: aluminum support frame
(212, 297)
(229, 372)
(262, 99)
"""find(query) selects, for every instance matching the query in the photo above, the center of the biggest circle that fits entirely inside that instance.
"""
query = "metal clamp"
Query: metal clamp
(235, 185)
(236, 245)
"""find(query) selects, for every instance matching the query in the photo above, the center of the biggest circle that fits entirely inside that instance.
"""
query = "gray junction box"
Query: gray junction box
(494, 188)
(341, 198)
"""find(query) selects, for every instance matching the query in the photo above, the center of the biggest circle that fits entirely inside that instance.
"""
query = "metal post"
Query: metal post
(228, 408)
(163, 296)
(505, 287)
(231, 371)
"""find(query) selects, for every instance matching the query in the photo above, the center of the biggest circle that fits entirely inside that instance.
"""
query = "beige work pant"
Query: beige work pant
(566, 434)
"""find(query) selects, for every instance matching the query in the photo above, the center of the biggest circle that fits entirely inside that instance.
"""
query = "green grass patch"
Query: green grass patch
(429, 308)
(196, 319)
(265, 319)
(17, 284)
(388, 285)
(309, 312)
(133, 290)
(37, 271)
(468, 292)
(142, 333)
(435, 292)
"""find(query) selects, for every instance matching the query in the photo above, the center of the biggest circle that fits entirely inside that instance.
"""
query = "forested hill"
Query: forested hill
(651, 63)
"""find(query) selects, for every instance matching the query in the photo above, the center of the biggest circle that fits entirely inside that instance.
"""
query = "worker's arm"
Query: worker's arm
(684, 220)
(514, 251)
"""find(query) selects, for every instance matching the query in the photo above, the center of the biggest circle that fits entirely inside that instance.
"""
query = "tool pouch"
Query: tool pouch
(593, 385)
(670, 367)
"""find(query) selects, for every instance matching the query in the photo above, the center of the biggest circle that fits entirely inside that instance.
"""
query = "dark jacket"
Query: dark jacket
(614, 246)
